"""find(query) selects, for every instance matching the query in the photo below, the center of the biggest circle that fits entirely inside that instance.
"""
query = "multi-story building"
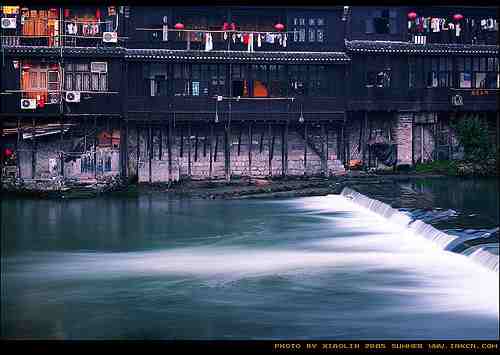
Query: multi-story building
(163, 93)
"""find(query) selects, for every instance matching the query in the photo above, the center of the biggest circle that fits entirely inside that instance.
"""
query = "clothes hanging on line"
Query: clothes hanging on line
(208, 42)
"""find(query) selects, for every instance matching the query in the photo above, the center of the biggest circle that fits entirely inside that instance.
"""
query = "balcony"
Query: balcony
(428, 99)
(204, 108)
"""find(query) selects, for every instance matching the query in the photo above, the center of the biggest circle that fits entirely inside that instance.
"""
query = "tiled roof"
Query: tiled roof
(43, 51)
(395, 47)
(237, 56)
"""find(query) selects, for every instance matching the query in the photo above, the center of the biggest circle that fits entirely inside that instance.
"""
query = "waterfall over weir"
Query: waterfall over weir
(484, 254)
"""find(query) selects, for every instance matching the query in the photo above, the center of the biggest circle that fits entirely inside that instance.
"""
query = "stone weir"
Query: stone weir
(486, 254)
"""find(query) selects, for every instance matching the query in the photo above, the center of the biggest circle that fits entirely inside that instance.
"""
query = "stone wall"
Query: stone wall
(257, 150)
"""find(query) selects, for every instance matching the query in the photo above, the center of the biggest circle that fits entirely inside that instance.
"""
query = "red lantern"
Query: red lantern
(233, 26)
(458, 17)
(7, 152)
(98, 14)
(26, 66)
(41, 102)
(66, 13)
(412, 15)
(225, 27)
(279, 26)
(179, 26)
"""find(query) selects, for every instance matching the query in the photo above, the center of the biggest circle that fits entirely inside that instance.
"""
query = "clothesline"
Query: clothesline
(215, 31)
(87, 22)
(237, 98)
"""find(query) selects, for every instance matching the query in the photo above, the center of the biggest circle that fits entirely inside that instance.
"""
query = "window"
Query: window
(277, 83)
(492, 75)
(464, 72)
(380, 79)
(412, 80)
(382, 22)
(445, 72)
(438, 72)
(78, 77)
(259, 85)
(311, 27)
(312, 35)
(239, 76)
(297, 79)
(480, 69)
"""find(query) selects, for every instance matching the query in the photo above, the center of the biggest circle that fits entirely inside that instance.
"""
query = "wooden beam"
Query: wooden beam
(138, 151)
(169, 149)
(271, 148)
(305, 148)
(189, 149)
(160, 137)
(95, 147)
(324, 160)
(18, 155)
(249, 149)
(61, 154)
(33, 150)
(285, 170)
(364, 137)
(150, 149)
(211, 125)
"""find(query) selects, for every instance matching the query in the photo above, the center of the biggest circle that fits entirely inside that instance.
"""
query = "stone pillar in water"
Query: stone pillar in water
(403, 136)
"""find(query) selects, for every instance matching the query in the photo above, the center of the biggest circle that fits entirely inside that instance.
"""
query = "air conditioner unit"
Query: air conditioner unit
(28, 104)
(72, 96)
(9, 22)
(110, 37)
(98, 67)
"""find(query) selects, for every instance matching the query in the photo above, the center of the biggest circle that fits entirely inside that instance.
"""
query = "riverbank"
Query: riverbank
(251, 188)
(237, 188)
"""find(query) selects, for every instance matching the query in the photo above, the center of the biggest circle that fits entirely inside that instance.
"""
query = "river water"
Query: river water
(304, 268)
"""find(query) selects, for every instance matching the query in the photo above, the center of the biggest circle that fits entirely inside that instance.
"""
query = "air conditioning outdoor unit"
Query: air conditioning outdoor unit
(110, 37)
(98, 67)
(9, 22)
(28, 104)
(73, 96)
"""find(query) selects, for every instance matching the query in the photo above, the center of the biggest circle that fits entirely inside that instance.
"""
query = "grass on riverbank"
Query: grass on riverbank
(446, 167)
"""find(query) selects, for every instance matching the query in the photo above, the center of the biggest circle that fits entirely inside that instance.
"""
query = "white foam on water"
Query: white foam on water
(430, 279)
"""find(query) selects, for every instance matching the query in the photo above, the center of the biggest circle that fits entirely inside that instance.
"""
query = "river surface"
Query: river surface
(303, 268)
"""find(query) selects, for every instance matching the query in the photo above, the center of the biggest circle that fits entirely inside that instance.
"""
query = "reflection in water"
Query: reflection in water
(153, 268)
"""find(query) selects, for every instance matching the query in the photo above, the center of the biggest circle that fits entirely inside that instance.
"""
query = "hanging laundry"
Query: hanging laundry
(245, 38)
(279, 39)
(234, 37)
(284, 40)
(269, 38)
(250, 42)
(225, 36)
(208, 42)
(259, 43)
(457, 30)
(165, 32)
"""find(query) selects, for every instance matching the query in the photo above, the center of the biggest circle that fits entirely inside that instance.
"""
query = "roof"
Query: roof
(44, 51)
(395, 47)
(237, 56)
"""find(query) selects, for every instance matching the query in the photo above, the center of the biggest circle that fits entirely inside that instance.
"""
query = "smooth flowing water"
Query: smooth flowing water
(305, 268)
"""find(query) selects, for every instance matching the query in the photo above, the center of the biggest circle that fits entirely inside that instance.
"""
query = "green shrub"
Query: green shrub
(472, 134)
